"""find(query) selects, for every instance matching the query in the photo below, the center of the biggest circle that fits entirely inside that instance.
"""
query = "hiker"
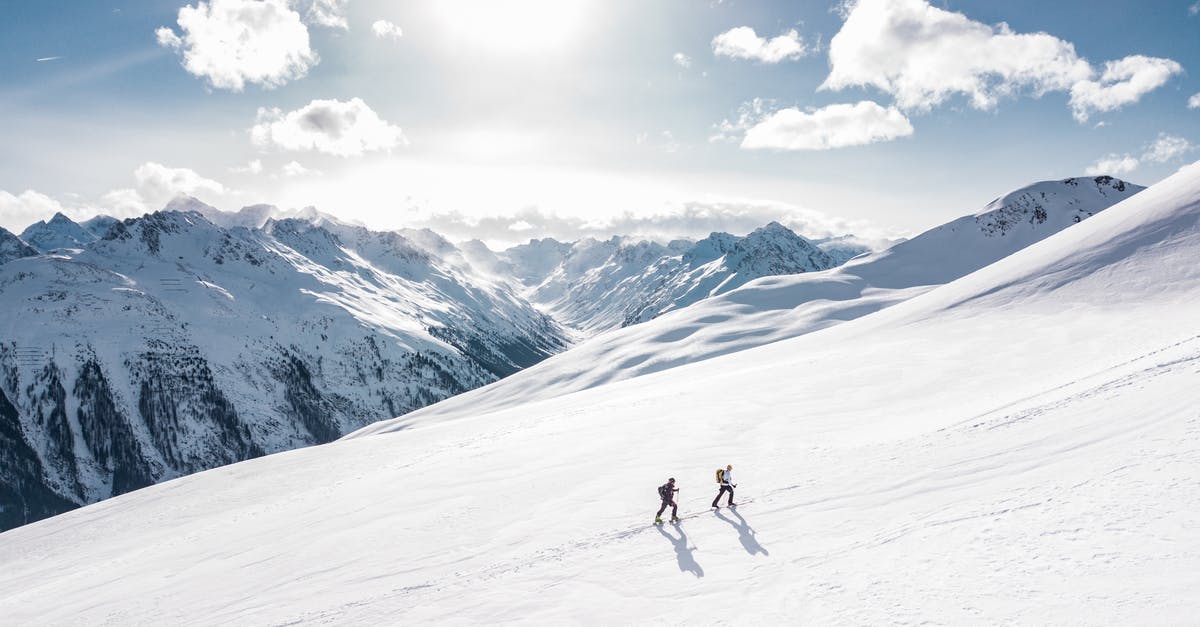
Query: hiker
(667, 492)
(725, 478)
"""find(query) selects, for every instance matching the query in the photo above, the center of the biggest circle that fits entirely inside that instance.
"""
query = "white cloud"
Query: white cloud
(1114, 165)
(1166, 148)
(125, 202)
(329, 13)
(682, 60)
(1194, 9)
(234, 42)
(749, 114)
(1163, 149)
(254, 167)
(334, 127)
(18, 211)
(384, 29)
(157, 184)
(923, 55)
(834, 126)
(1123, 82)
(1194, 101)
(743, 43)
(294, 169)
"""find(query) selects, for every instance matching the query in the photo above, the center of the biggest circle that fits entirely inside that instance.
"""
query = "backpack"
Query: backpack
(662, 492)
(720, 475)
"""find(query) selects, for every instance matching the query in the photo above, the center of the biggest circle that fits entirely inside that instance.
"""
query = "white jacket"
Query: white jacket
(727, 478)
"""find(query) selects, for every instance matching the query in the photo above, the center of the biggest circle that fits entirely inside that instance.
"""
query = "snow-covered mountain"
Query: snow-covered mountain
(174, 345)
(13, 247)
(594, 285)
(191, 337)
(776, 308)
(63, 232)
(1016, 446)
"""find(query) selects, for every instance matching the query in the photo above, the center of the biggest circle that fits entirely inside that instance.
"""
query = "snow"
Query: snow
(775, 308)
(59, 233)
(1017, 446)
(593, 286)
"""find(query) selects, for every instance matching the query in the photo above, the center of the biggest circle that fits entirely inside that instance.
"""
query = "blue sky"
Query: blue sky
(516, 118)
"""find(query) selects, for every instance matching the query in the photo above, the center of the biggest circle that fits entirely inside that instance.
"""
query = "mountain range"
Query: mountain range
(142, 350)
(1015, 445)
(775, 308)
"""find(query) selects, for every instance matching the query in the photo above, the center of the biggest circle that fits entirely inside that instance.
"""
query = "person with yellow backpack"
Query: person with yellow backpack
(725, 480)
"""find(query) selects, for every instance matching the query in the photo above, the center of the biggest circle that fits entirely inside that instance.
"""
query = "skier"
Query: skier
(667, 492)
(725, 478)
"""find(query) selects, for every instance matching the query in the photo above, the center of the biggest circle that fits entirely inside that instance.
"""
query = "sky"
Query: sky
(510, 119)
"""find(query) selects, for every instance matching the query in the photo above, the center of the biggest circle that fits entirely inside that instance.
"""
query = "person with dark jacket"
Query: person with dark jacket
(667, 492)
(725, 479)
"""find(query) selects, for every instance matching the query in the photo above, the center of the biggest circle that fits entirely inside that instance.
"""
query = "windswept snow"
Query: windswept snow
(1018, 446)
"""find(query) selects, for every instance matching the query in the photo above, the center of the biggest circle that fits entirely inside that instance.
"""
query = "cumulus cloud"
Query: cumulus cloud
(1123, 82)
(329, 13)
(1166, 148)
(1194, 101)
(1163, 149)
(157, 181)
(682, 60)
(923, 55)
(294, 168)
(384, 29)
(18, 211)
(344, 129)
(743, 43)
(1114, 165)
(155, 186)
(234, 42)
(691, 220)
(834, 126)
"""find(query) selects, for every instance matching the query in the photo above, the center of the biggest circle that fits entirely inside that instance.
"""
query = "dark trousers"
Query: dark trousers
(724, 489)
(674, 508)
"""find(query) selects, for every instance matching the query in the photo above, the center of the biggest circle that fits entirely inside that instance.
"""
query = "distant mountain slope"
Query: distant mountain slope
(13, 247)
(174, 345)
(596, 285)
(1018, 446)
(774, 308)
(59, 232)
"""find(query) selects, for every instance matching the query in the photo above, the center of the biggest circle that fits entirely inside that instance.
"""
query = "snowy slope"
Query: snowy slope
(1018, 446)
(59, 232)
(775, 308)
(175, 345)
(13, 247)
(593, 285)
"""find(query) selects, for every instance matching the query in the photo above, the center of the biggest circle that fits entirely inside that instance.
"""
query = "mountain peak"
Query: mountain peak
(1061, 203)
(13, 247)
(59, 232)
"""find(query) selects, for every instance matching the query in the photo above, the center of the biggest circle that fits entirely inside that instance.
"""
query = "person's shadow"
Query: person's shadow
(745, 532)
(683, 554)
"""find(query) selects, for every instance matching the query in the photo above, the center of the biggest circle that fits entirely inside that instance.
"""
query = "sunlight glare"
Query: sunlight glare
(512, 25)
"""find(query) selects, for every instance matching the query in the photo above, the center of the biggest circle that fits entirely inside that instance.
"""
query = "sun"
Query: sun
(512, 25)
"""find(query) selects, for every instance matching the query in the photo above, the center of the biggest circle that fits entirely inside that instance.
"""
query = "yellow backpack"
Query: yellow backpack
(720, 475)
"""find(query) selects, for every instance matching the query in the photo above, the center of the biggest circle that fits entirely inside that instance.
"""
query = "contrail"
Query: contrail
(47, 59)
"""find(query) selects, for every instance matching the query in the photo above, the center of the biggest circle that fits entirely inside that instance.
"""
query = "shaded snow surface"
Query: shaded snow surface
(1020, 445)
